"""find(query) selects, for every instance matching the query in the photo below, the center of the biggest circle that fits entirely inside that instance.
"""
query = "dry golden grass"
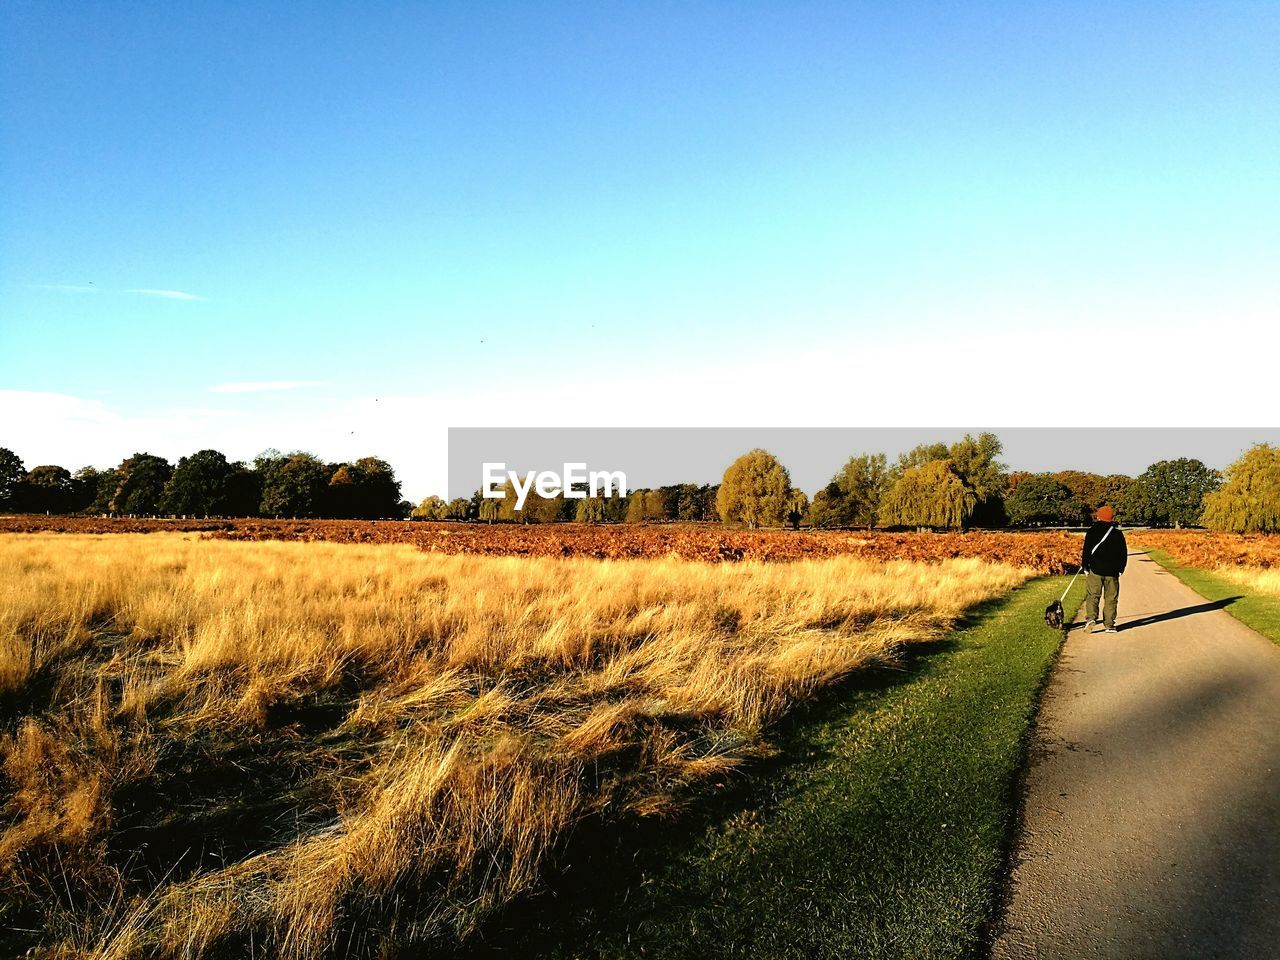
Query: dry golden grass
(311, 749)
(1254, 579)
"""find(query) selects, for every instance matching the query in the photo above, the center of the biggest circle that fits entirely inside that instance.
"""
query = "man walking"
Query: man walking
(1103, 559)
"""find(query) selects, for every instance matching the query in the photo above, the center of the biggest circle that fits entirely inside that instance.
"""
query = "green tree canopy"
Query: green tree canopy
(294, 485)
(1170, 493)
(1040, 499)
(931, 495)
(755, 491)
(45, 489)
(142, 480)
(590, 510)
(431, 508)
(11, 473)
(852, 498)
(1249, 501)
(1094, 490)
(200, 485)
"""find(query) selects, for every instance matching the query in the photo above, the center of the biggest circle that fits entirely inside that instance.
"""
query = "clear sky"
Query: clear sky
(345, 227)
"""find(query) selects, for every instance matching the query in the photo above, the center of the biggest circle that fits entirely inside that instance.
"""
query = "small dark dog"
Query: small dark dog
(1053, 615)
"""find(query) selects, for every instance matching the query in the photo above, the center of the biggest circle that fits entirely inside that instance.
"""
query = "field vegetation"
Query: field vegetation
(1046, 552)
(307, 749)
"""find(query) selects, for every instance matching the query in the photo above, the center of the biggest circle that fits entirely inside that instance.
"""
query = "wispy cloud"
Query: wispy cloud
(67, 287)
(262, 386)
(139, 291)
(166, 294)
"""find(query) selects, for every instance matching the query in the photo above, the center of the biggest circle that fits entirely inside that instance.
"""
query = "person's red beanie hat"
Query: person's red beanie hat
(1106, 514)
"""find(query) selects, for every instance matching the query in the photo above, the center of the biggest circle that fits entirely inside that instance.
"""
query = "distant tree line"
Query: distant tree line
(941, 487)
(682, 501)
(933, 486)
(206, 484)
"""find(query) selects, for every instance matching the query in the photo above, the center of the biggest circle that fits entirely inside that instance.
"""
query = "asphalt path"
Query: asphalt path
(1151, 824)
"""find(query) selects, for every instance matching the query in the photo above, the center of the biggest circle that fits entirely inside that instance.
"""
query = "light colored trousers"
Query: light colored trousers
(1101, 588)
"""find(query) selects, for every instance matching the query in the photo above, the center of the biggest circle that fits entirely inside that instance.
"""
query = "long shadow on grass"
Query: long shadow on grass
(607, 873)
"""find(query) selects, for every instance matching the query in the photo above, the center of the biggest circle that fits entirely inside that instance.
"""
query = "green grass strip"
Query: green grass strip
(1257, 610)
(881, 830)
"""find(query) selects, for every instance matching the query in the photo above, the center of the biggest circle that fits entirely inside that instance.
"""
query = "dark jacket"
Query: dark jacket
(1111, 555)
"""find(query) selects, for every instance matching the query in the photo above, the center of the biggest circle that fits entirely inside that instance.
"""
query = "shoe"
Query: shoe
(1111, 630)
(1089, 625)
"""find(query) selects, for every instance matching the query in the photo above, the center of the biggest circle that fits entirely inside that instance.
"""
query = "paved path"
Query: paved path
(1152, 822)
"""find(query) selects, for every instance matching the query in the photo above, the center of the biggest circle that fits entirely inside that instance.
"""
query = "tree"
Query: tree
(797, 507)
(1249, 501)
(918, 456)
(489, 510)
(293, 485)
(459, 509)
(1041, 499)
(931, 495)
(45, 489)
(853, 496)
(828, 507)
(11, 473)
(1170, 493)
(378, 490)
(1094, 491)
(243, 491)
(199, 485)
(431, 508)
(754, 491)
(84, 488)
(105, 494)
(590, 510)
(976, 460)
(142, 480)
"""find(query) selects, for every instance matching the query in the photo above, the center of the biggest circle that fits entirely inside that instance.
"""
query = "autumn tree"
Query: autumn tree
(1040, 499)
(932, 495)
(1170, 493)
(489, 510)
(142, 479)
(1094, 490)
(459, 508)
(755, 491)
(1249, 501)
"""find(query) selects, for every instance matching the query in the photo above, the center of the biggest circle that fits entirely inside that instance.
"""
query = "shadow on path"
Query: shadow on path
(1168, 614)
(1181, 612)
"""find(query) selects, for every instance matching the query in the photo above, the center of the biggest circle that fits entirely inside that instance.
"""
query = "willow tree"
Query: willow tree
(590, 510)
(755, 491)
(930, 495)
(1249, 502)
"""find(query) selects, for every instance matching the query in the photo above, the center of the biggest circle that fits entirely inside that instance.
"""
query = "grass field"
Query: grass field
(218, 748)
(1256, 590)
(880, 831)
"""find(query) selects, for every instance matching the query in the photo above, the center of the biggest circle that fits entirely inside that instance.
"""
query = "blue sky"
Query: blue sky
(392, 218)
